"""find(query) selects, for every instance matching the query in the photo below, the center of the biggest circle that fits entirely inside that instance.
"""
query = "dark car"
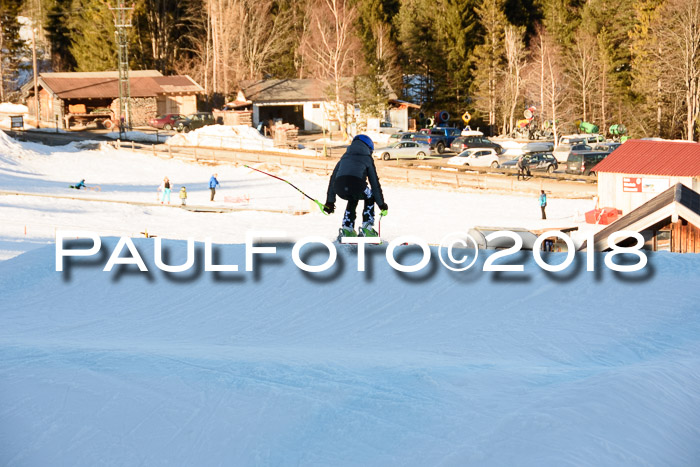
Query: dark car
(409, 136)
(468, 142)
(166, 122)
(607, 146)
(194, 121)
(537, 162)
(583, 162)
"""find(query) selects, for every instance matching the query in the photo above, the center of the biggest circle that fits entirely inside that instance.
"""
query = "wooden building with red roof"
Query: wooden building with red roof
(640, 170)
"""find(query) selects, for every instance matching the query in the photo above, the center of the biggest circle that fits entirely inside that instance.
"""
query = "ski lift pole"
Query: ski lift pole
(318, 203)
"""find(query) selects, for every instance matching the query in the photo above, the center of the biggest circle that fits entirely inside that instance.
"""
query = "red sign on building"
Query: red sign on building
(632, 184)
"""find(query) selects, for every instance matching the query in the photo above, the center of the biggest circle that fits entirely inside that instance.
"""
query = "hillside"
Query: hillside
(278, 367)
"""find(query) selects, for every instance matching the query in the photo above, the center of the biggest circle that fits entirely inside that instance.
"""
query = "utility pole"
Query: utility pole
(36, 80)
(122, 23)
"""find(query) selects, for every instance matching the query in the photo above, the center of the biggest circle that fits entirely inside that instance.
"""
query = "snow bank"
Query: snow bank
(232, 137)
(283, 368)
(9, 148)
(13, 109)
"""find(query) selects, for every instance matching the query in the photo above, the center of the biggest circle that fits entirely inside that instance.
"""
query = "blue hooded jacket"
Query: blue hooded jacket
(213, 182)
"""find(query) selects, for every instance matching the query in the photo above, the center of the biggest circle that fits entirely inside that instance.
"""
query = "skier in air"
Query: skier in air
(349, 182)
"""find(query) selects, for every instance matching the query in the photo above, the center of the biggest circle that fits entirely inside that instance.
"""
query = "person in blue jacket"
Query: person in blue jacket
(349, 182)
(80, 185)
(213, 183)
(543, 203)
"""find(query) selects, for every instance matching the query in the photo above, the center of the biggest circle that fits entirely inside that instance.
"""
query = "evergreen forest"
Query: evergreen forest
(631, 62)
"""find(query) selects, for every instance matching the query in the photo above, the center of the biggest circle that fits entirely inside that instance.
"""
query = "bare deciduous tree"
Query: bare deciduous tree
(677, 30)
(515, 61)
(582, 64)
(330, 47)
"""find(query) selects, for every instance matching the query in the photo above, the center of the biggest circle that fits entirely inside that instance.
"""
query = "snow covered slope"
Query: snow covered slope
(279, 367)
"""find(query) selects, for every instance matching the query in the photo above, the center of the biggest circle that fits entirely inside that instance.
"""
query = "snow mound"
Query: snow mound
(13, 109)
(223, 136)
(9, 148)
(280, 367)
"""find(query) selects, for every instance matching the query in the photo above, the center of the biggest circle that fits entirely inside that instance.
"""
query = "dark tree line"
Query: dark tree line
(631, 62)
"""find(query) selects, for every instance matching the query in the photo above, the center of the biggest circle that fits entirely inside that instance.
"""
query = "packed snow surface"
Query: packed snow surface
(277, 366)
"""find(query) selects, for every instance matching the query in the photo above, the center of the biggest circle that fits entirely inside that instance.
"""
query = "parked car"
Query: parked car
(468, 142)
(561, 152)
(166, 122)
(537, 162)
(194, 121)
(441, 137)
(583, 162)
(387, 128)
(476, 157)
(403, 150)
(538, 146)
(409, 136)
(607, 146)
(572, 139)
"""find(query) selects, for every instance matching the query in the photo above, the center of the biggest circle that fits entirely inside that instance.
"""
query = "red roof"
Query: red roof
(642, 157)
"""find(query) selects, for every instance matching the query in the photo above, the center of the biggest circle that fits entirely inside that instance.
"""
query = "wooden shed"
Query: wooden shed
(152, 94)
(668, 222)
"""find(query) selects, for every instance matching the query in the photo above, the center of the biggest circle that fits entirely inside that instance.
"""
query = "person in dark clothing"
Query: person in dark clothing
(543, 203)
(523, 168)
(80, 185)
(349, 182)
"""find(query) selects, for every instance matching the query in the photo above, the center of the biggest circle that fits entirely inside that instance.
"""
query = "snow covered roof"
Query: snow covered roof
(292, 90)
(95, 85)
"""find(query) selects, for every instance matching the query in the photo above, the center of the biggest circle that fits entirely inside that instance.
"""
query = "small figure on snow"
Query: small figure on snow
(165, 189)
(213, 183)
(543, 203)
(183, 196)
(80, 185)
(349, 182)
(523, 168)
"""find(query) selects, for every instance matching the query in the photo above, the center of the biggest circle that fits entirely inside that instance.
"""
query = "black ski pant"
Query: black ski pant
(354, 190)
(213, 192)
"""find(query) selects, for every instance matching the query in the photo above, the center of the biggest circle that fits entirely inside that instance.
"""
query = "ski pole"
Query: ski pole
(318, 203)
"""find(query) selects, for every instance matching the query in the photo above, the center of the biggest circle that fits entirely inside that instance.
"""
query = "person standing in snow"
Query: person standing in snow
(522, 167)
(183, 196)
(165, 188)
(543, 203)
(213, 183)
(349, 182)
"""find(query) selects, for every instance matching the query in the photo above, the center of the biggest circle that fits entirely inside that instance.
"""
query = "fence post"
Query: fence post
(132, 144)
(170, 151)
(153, 148)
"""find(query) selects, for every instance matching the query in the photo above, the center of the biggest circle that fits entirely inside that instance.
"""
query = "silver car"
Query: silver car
(403, 150)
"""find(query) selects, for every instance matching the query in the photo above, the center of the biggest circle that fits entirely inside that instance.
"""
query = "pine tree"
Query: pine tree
(59, 34)
(424, 65)
(12, 48)
(93, 43)
(457, 27)
(489, 59)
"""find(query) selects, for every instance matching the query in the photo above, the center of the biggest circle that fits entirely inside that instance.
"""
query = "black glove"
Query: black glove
(384, 208)
(329, 207)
